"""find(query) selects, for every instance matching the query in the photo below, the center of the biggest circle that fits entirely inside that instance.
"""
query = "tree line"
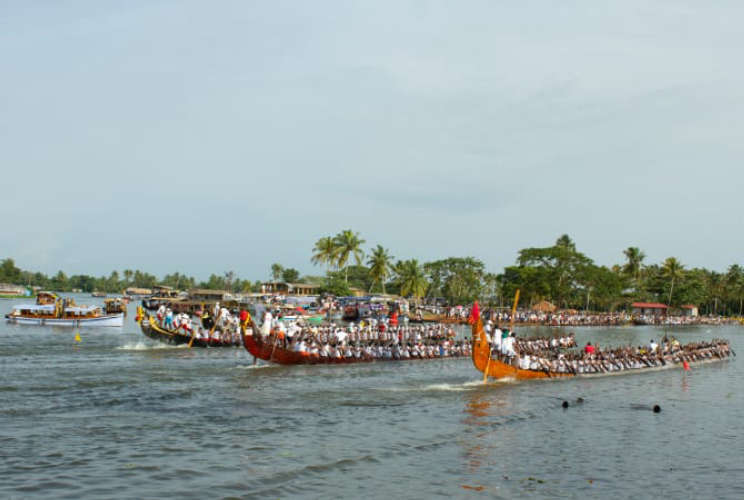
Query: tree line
(560, 274)
(117, 282)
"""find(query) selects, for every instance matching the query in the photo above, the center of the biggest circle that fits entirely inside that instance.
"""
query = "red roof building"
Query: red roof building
(649, 308)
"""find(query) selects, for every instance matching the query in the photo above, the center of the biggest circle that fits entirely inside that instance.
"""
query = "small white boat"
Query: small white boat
(62, 313)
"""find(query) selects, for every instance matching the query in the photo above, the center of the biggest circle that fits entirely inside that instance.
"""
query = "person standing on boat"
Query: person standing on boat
(497, 337)
(168, 318)
(652, 347)
(267, 324)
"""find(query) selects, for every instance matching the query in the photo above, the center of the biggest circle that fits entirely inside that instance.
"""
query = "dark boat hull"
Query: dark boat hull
(153, 331)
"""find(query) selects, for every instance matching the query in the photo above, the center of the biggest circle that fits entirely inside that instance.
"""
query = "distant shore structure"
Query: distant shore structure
(284, 288)
(10, 290)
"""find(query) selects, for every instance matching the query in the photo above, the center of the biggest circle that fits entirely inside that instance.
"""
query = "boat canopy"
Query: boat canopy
(81, 309)
(35, 307)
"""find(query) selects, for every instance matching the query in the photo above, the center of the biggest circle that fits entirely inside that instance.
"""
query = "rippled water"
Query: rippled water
(119, 416)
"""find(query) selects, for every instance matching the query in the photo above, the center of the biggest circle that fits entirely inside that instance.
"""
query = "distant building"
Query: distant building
(649, 308)
(137, 292)
(8, 289)
(689, 310)
(203, 294)
(284, 288)
(357, 292)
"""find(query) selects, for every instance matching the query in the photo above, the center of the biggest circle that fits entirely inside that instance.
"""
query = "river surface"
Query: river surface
(119, 416)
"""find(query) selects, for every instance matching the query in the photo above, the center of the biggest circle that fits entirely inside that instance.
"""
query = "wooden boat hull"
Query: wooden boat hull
(276, 354)
(497, 369)
(151, 330)
(106, 320)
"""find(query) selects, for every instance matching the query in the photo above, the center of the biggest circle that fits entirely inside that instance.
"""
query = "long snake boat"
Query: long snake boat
(153, 330)
(497, 368)
(272, 350)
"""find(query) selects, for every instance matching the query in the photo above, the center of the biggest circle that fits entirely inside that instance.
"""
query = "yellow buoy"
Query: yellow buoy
(77, 337)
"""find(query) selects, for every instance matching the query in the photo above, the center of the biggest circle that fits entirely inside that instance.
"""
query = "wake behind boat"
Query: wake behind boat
(51, 310)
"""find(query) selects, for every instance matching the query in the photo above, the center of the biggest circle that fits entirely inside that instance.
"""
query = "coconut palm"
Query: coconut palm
(276, 271)
(324, 252)
(673, 270)
(735, 284)
(380, 266)
(348, 244)
(634, 262)
(412, 278)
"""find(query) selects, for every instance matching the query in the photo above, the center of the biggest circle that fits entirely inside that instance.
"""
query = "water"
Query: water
(119, 416)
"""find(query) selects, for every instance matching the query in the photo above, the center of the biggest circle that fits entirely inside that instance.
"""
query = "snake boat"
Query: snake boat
(497, 368)
(151, 329)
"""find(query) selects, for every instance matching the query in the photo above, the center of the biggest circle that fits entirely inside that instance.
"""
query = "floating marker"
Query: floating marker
(565, 404)
(686, 366)
(77, 337)
(657, 409)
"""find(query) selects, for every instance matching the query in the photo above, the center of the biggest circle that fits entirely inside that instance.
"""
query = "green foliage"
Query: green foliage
(9, 273)
(335, 284)
(347, 244)
(380, 266)
(290, 275)
(411, 278)
(276, 271)
(460, 280)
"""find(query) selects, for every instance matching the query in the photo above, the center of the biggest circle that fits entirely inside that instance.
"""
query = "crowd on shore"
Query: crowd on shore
(576, 318)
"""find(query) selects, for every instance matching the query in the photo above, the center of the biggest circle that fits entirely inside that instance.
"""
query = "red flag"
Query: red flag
(474, 313)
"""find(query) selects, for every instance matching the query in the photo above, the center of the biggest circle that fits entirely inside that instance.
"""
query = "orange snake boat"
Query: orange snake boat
(494, 368)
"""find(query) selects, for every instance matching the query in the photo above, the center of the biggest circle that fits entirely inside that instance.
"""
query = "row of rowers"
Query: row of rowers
(358, 334)
(506, 343)
(591, 359)
(226, 329)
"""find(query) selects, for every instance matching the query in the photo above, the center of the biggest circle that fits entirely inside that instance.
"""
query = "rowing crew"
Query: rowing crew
(363, 333)
(391, 350)
(620, 358)
(226, 330)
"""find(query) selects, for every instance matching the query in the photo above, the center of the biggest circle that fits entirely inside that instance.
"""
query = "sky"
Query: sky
(203, 137)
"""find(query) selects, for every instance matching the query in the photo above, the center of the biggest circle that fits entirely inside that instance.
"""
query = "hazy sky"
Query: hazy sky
(210, 136)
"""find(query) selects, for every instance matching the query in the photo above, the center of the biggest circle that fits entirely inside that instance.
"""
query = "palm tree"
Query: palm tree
(735, 283)
(276, 271)
(347, 244)
(412, 278)
(324, 252)
(380, 266)
(128, 273)
(673, 270)
(635, 263)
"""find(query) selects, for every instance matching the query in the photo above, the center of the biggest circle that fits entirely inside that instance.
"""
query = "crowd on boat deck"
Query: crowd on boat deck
(217, 325)
(534, 355)
(367, 340)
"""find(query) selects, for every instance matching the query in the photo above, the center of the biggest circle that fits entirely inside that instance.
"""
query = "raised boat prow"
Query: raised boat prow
(496, 368)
